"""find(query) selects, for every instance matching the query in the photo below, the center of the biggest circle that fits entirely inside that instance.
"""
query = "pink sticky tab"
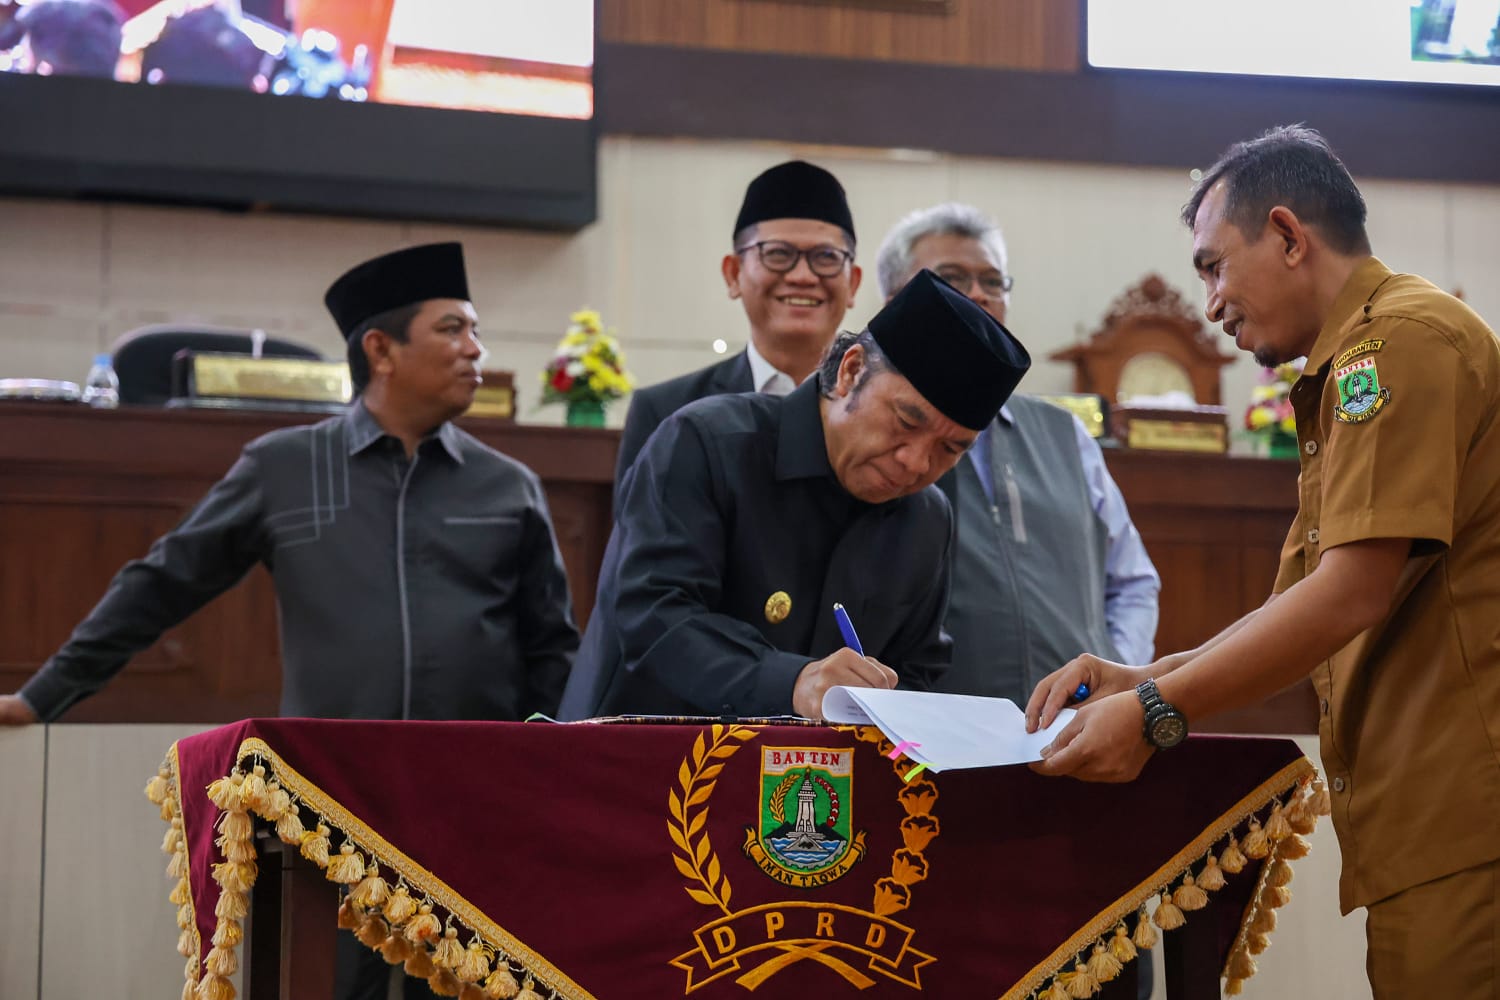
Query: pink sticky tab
(901, 748)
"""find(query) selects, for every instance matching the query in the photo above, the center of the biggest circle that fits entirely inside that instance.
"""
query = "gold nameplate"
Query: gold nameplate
(1177, 435)
(1086, 406)
(240, 376)
(497, 401)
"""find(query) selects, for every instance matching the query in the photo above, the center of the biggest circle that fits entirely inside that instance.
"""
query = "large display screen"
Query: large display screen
(475, 110)
(1408, 41)
(497, 55)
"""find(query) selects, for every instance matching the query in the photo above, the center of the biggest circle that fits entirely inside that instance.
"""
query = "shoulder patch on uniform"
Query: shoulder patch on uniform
(1361, 395)
(1363, 347)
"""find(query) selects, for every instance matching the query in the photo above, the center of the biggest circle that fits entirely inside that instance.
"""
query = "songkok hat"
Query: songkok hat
(402, 278)
(795, 190)
(954, 353)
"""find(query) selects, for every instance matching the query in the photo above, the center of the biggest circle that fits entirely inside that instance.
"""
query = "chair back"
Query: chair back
(143, 357)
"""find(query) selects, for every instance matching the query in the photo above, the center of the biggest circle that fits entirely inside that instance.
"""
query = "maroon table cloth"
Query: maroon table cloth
(580, 861)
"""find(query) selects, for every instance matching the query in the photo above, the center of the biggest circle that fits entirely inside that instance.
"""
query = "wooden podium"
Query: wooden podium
(667, 859)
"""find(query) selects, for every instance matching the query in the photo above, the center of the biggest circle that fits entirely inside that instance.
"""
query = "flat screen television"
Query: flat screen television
(1400, 41)
(431, 109)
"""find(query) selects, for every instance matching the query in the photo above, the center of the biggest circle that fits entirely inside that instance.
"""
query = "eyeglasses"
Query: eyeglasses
(993, 283)
(781, 257)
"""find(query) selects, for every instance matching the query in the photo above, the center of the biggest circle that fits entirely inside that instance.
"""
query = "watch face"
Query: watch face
(1168, 731)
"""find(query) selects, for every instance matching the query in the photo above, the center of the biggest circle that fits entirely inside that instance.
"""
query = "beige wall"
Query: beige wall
(73, 276)
(82, 873)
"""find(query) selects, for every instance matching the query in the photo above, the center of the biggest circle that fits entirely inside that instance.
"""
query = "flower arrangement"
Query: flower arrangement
(1270, 414)
(586, 371)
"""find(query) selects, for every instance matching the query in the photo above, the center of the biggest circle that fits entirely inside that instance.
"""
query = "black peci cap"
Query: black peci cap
(954, 353)
(401, 278)
(795, 190)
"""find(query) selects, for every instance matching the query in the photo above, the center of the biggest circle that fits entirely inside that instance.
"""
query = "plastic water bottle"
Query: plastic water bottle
(102, 387)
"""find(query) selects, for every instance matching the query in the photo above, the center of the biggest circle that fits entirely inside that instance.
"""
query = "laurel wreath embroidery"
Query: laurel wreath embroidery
(700, 863)
(698, 860)
(918, 829)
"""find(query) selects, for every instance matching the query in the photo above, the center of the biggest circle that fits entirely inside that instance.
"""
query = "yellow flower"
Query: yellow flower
(1260, 418)
(588, 319)
(596, 383)
(1289, 423)
(1264, 393)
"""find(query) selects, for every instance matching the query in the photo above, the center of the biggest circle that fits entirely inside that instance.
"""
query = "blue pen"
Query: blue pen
(851, 638)
(1081, 693)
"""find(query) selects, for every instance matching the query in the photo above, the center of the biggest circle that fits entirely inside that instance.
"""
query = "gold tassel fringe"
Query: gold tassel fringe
(347, 867)
(1189, 896)
(501, 984)
(1168, 916)
(1103, 965)
(372, 931)
(1145, 931)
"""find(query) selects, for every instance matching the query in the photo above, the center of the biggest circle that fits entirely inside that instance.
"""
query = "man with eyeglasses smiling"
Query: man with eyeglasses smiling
(791, 265)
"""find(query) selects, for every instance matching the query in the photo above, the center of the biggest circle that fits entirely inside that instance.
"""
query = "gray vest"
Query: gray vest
(1028, 569)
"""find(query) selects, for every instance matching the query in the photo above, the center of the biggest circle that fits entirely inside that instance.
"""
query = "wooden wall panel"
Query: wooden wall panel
(996, 34)
(1214, 528)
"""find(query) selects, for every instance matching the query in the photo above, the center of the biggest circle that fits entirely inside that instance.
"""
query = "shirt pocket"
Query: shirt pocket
(483, 549)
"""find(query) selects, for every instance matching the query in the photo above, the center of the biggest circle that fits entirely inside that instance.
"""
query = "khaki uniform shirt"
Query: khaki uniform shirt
(1398, 417)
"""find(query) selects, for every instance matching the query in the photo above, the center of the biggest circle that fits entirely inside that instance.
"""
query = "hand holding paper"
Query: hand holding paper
(945, 730)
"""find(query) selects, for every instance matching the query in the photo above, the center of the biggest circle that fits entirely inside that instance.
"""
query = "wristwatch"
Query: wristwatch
(1165, 726)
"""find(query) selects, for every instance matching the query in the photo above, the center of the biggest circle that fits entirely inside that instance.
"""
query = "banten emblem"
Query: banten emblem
(778, 606)
(1361, 395)
(806, 815)
(804, 841)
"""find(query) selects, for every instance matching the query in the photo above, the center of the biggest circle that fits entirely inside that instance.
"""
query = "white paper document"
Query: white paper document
(945, 730)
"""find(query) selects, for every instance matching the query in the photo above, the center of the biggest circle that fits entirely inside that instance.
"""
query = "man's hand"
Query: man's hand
(844, 667)
(15, 712)
(1055, 690)
(1105, 741)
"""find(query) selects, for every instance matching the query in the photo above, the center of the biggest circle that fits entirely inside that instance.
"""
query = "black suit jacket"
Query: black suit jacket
(654, 404)
(732, 501)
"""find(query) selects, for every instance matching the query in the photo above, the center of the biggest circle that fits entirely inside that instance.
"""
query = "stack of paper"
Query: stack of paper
(944, 730)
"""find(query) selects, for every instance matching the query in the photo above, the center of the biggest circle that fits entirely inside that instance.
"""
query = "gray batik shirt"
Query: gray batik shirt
(429, 588)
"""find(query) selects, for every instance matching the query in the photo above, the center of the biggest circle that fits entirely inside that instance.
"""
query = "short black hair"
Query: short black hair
(1290, 165)
(394, 323)
(828, 368)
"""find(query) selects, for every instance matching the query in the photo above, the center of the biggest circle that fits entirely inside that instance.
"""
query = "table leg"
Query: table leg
(1191, 959)
(291, 930)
